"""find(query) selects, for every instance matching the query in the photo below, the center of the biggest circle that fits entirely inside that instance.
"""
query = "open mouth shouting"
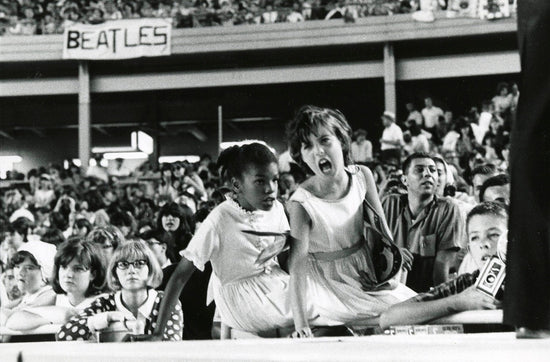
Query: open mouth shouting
(325, 166)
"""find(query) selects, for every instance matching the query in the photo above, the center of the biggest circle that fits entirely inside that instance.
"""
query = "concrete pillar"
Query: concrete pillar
(390, 101)
(84, 114)
(220, 129)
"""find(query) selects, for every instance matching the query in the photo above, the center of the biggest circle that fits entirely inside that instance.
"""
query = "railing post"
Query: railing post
(390, 102)
(84, 114)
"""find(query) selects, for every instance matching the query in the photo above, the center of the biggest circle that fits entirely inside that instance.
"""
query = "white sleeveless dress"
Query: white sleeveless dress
(337, 253)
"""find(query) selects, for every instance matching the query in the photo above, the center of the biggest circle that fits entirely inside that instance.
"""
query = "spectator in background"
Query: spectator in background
(157, 243)
(13, 293)
(361, 147)
(178, 225)
(54, 237)
(124, 221)
(48, 24)
(20, 238)
(392, 139)
(129, 10)
(97, 170)
(146, 10)
(295, 15)
(490, 152)
(413, 116)
(108, 239)
(118, 169)
(431, 115)
(503, 100)
(450, 139)
(111, 10)
(16, 206)
(479, 175)
(430, 227)
(270, 15)
(419, 141)
(81, 228)
(485, 118)
(497, 189)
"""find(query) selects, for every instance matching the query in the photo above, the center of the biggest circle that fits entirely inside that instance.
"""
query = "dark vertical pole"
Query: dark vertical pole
(154, 157)
(527, 296)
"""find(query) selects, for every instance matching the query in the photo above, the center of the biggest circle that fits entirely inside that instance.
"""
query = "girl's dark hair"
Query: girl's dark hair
(501, 86)
(83, 223)
(21, 225)
(53, 236)
(307, 121)
(184, 233)
(94, 200)
(87, 254)
(59, 221)
(121, 219)
(235, 160)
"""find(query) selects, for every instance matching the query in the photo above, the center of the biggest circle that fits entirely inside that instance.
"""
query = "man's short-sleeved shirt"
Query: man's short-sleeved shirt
(392, 133)
(431, 116)
(439, 226)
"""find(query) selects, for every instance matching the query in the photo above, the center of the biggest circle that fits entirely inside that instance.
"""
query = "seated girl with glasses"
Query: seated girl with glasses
(133, 273)
(78, 278)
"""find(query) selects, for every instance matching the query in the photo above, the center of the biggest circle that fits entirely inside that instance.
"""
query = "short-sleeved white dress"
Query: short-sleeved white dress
(337, 253)
(248, 296)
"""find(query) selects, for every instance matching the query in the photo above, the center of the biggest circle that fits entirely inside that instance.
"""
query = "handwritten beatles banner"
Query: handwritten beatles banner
(118, 39)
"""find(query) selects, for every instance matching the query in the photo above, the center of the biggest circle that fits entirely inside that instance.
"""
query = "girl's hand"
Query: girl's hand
(302, 333)
(407, 258)
(103, 320)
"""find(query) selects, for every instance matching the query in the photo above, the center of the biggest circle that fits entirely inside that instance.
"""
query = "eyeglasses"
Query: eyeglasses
(137, 264)
(26, 268)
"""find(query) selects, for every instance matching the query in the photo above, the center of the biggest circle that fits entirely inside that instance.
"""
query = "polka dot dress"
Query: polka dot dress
(76, 329)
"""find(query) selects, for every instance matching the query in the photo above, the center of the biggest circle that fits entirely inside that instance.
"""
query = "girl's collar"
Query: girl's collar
(240, 208)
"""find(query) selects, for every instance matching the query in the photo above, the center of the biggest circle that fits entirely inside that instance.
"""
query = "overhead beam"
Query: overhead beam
(458, 65)
(238, 77)
(448, 66)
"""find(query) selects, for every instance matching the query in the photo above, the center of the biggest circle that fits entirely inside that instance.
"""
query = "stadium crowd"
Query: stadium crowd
(84, 251)
(29, 17)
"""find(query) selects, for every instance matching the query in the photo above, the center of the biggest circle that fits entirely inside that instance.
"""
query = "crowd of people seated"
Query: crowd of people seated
(85, 251)
(29, 17)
